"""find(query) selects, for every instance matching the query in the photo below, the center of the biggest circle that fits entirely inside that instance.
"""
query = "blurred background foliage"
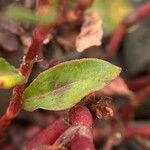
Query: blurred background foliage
(111, 12)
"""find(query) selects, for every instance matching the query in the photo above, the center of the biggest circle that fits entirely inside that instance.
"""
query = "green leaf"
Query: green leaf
(9, 76)
(24, 15)
(112, 12)
(64, 85)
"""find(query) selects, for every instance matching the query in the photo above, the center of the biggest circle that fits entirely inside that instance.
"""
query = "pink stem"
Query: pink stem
(15, 104)
(130, 131)
(80, 142)
(141, 130)
(114, 43)
(80, 115)
(48, 135)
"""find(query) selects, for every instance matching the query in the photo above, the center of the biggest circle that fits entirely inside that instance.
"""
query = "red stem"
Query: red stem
(80, 142)
(80, 115)
(139, 98)
(139, 83)
(141, 130)
(130, 131)
(15, 104)
(79, 134)
(134, 17)
(137, 15)
(25, 69)
(48, 135)
(115, 41)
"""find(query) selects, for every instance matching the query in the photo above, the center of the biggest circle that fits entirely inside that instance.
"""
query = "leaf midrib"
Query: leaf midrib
(67, 85)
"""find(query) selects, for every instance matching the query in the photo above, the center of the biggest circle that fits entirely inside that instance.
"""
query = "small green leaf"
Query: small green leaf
(64, 85)
(24, 15)
(9, 76)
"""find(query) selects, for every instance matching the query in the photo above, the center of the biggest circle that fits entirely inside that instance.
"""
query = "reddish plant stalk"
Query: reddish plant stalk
(134, 17)
(139, 98)
(79, 134)
(139, 83)
(80, 115)
(32, 131)
(15, 104)
(80, 142)
(137, 15)
(115, 41)
(130, 131)
(48, 135)
(25, 69)
(141, 130)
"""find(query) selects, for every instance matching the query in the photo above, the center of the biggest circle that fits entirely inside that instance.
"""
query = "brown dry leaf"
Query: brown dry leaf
(91, 32)
(117, 87)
